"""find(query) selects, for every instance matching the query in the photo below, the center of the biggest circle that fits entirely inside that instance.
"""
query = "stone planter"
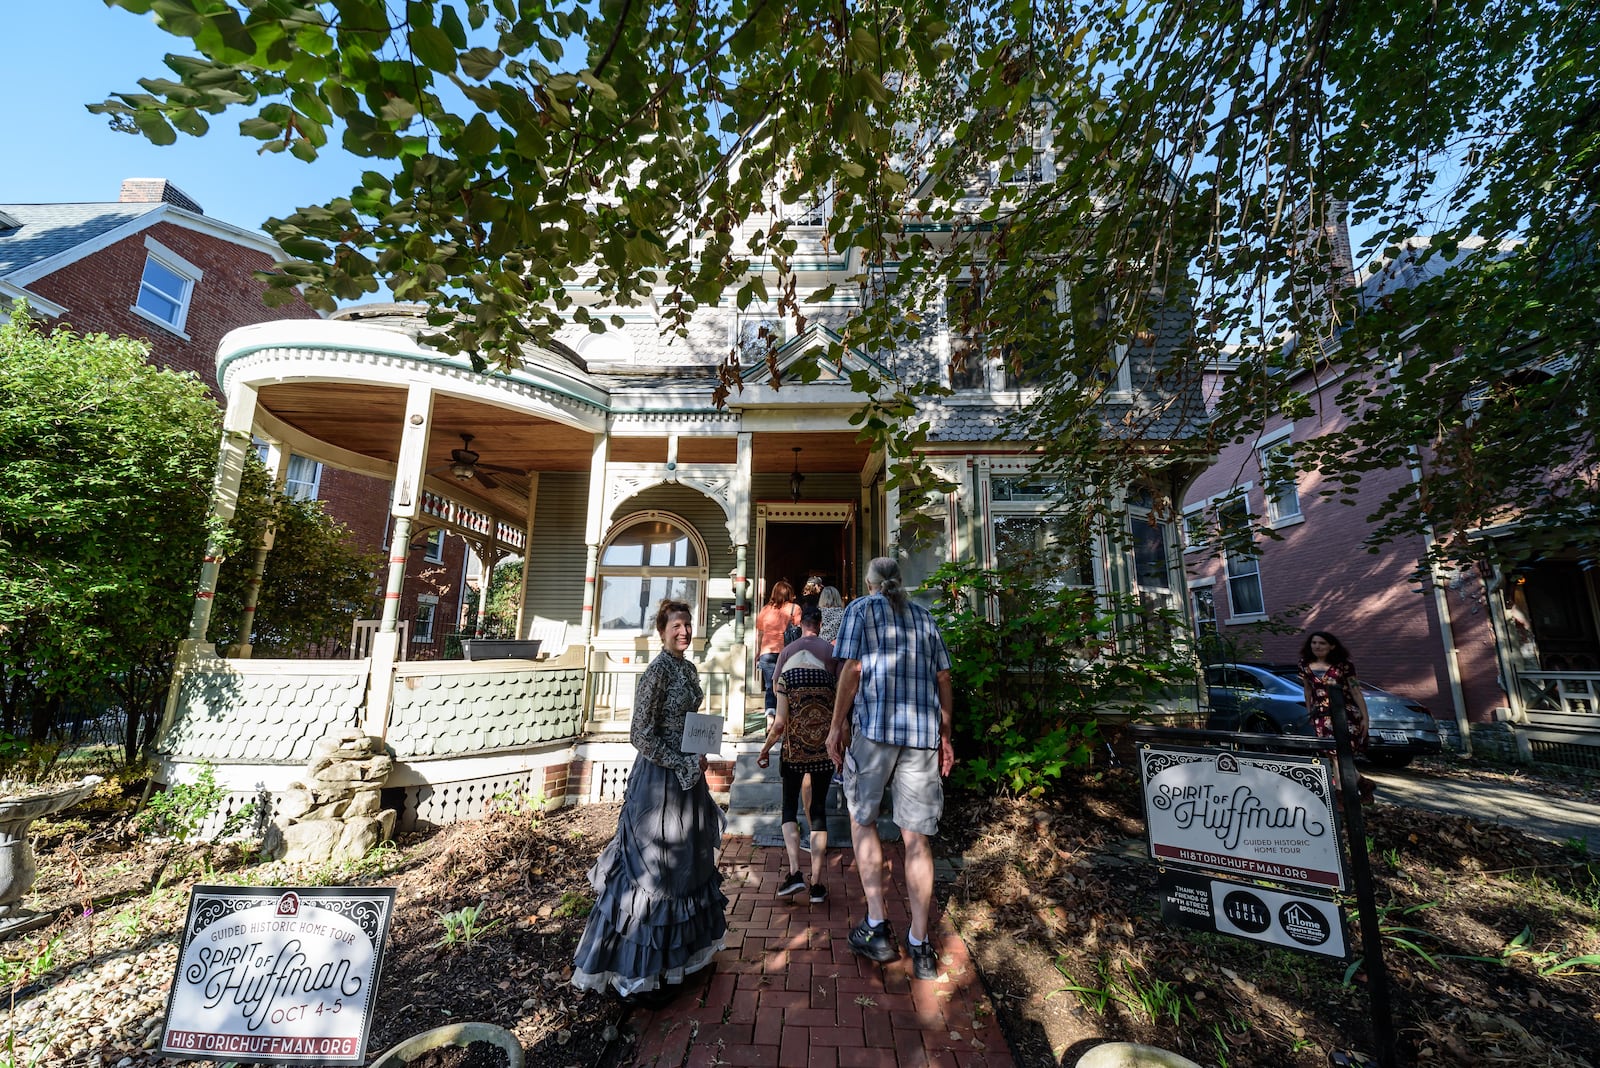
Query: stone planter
(17, 867)
(501, 648)
(1132, 1055)
(461, 1034)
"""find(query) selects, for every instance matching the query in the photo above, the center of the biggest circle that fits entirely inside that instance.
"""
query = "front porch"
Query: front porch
(614, 494)
(1546, 621)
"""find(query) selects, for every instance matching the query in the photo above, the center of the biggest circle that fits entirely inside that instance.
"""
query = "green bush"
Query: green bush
(183, 808)
(1033, 666)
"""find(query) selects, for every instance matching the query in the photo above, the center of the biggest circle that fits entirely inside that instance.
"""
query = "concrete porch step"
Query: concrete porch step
(755, 804)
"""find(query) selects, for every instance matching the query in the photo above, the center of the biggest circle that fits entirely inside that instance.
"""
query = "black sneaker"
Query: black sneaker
(924, 961)
(792, 885)
(819, 893)
(874, 943)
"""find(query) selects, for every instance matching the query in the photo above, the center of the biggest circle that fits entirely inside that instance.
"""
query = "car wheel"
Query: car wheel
(1260, 725)
(1390, 760)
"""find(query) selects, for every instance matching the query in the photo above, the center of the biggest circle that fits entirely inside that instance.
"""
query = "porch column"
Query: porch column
(489, 551)
(594, 531)
(404, 501)
(237, 422)
(527, 556)
(277, 468)
(741, 538)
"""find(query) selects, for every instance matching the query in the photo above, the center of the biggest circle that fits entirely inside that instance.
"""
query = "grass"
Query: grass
(465, 926)
(1154, 999)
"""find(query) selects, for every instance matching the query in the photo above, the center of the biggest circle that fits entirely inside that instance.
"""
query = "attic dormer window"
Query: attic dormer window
(759, 334)
(165, 287)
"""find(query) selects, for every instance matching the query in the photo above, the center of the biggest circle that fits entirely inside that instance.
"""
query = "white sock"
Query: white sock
(914, 941)
(872, 922)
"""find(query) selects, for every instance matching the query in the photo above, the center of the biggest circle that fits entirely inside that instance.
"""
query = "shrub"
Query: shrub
(1034, 665)
(183, 808)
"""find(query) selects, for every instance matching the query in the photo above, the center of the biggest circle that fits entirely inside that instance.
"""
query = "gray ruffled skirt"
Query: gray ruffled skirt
(659, 912)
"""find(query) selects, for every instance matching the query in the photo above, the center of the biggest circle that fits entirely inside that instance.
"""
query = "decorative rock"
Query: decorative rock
(334, 815)
(311, 842)
(295, 802)
(359, 836)
(1132, 1055)
(365, 803)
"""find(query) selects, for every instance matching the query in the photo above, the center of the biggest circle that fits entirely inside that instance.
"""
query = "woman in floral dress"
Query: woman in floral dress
(659, 911)
(1326, 669)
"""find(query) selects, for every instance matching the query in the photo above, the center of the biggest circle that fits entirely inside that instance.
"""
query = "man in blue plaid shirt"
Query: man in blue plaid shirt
(891, 721)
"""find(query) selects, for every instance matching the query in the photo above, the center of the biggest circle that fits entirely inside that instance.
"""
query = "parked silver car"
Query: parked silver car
(1268, 699)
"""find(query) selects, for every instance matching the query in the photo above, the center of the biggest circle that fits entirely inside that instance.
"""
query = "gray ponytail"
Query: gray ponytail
(884, 573)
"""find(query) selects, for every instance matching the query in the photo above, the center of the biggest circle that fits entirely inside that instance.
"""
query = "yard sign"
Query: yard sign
(275, 974)
(1252, 814)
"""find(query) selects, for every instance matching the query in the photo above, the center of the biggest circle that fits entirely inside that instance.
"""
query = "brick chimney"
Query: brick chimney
(157, 191)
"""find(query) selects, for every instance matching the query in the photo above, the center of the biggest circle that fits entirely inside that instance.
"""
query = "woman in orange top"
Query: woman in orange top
(779, 611)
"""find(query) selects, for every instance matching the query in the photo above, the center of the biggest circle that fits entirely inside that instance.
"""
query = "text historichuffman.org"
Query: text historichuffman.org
(262, 1045)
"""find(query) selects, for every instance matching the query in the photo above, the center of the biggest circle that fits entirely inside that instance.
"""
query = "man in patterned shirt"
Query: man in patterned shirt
(891, 721)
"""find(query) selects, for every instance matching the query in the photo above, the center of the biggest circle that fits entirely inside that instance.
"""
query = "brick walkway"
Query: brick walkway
(787, 992)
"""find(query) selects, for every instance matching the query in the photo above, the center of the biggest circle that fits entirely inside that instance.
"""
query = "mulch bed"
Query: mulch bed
(1050, 895)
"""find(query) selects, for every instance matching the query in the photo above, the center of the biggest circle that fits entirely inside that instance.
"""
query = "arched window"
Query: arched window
(649, 556)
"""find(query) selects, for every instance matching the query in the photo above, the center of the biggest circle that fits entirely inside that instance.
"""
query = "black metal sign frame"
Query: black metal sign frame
(1355, 826)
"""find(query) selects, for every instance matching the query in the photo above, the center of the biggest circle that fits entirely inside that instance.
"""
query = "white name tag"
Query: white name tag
(702, 733)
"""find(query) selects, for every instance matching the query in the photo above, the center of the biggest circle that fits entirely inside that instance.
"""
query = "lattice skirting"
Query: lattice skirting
(436, 804)
(1569, 754)
(251, 826)
(607, 781)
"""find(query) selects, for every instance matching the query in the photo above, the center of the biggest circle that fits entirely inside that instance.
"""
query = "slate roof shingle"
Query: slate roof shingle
(50, 229)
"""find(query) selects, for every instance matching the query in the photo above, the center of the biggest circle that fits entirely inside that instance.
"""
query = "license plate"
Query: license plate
(1394, 737)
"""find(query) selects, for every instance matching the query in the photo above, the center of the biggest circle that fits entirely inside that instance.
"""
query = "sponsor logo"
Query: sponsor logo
(1304, 924)
(1246, 911)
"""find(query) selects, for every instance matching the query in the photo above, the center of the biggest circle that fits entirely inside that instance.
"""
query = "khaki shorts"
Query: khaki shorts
(870, 766)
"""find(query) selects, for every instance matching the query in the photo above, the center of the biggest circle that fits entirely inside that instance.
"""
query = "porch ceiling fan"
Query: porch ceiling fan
(465, 465)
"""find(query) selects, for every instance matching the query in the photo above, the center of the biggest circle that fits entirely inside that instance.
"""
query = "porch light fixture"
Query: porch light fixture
(796, 478)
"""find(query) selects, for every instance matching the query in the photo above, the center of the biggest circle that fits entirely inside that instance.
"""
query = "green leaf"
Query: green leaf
(450, 23)
(432, 46)
(479, 63)
(601, 87)
(154, 127)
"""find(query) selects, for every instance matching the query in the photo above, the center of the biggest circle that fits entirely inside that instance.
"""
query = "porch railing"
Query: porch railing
(1561, 698)
(611, 691)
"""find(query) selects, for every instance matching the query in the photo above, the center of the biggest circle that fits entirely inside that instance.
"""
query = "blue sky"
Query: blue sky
(64, 54)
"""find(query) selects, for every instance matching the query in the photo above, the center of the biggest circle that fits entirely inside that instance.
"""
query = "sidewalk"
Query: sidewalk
(787, 991)
(1555, 818)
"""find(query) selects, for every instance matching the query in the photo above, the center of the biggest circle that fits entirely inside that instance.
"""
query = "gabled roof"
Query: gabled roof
(51, 236)
(816, 338)
(47, 230)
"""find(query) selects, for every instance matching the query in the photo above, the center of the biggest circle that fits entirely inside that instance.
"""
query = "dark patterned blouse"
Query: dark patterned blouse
(810, 692)
(667, 692)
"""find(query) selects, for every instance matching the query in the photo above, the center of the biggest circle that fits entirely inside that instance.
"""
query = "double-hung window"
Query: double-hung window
(649, 557)
(1029, 531)
(1242, 561)
(422, 624)
(1279, 481)
(1018, 356)
(302, 479)
(433, 549)
(165, 287)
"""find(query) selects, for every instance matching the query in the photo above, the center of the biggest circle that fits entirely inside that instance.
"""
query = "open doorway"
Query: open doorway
(796, 542)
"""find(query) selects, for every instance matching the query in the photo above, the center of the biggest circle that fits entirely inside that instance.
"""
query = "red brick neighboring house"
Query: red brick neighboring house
(154, 266)
(1451, 643)
(1431, 643)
